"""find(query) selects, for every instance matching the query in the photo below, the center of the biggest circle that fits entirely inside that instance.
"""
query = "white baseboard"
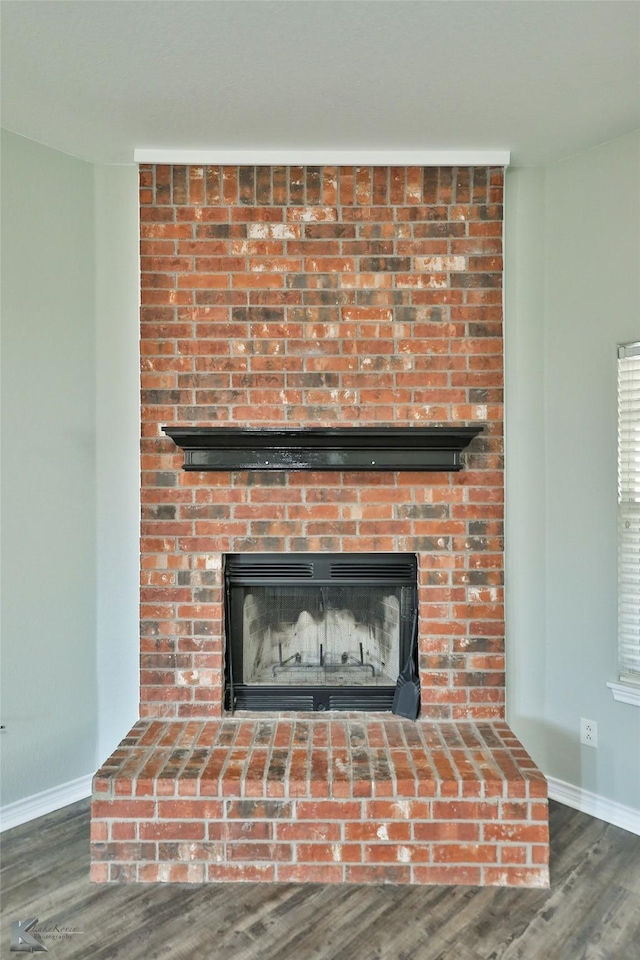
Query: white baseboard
(596, 806)
(39, 804)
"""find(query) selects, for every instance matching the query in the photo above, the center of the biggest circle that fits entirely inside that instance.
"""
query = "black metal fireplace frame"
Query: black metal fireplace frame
(313, 569)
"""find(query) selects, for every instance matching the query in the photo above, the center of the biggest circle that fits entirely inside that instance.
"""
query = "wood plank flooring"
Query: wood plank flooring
(591, 912)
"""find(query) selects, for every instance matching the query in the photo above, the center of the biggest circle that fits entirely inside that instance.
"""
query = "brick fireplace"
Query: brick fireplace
(289, 297)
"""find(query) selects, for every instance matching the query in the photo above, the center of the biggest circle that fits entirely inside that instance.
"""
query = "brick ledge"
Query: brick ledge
(355, 755)
(359, 799)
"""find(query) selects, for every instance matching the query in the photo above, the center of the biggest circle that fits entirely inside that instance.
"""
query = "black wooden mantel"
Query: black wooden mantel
(327, 448)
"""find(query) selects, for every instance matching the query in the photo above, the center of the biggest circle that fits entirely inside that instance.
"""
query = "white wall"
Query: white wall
(118, 468)
(573, 293)
(49, 682)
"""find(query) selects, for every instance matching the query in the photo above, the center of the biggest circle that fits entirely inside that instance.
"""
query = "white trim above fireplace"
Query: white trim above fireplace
(327, 157)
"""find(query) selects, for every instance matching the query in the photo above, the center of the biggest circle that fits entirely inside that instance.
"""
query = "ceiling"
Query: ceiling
(543, 79)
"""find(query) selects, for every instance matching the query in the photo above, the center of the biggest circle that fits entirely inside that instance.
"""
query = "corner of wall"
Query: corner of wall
(117, 452)
(48, 437)
(525, 456)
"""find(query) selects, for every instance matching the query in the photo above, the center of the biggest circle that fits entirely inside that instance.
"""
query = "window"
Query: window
(629, 512)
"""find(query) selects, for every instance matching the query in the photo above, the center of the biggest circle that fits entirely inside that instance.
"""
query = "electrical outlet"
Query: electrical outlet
(588, 732)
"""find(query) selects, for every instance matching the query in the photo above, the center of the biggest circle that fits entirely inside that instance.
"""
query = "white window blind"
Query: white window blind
(629, 511)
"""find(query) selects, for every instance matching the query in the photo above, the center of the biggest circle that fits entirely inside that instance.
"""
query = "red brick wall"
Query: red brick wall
(287, 800)
(319, 296)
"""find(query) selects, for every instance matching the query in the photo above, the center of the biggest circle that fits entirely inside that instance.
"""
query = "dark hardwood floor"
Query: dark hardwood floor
(591, 912)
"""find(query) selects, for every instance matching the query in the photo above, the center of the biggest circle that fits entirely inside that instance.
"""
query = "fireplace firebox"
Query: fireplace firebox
(317, 631)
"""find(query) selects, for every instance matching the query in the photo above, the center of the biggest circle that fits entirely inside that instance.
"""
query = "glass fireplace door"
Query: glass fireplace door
(321, 635)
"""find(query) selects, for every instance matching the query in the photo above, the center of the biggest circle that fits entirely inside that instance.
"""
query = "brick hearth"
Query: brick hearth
(355, 799)
(292, 297)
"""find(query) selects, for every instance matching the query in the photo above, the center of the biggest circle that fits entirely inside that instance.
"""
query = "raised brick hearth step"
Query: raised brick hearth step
(315, 799)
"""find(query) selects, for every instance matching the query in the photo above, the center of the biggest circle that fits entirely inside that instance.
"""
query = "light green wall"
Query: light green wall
(70, 493)
(582, 238)
(49, 683)
(118, 467)
(525, 456)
